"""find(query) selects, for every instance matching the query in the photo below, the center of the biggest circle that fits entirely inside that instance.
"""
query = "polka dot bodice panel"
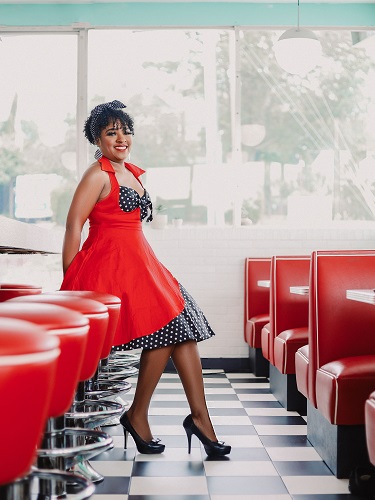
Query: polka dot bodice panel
(130, 200)
(191, 324)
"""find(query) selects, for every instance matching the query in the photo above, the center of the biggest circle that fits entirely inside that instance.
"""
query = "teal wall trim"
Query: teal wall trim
(196, 14)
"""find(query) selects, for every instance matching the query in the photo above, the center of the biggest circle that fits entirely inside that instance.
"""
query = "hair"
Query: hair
(93, 127)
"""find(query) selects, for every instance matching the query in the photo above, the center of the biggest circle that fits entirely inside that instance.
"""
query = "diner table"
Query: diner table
(264, 283)
(300, 290)
(362, 295)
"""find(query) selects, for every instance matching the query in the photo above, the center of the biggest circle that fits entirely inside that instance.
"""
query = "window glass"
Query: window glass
(225, 134)
(38, 126)
(308, 141)
(176, 85)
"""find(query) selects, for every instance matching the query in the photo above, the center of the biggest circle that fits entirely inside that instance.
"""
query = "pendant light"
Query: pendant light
(298, 50)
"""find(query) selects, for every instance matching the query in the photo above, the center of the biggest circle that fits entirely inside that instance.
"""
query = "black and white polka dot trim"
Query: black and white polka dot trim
(130, 200)
(190, 324)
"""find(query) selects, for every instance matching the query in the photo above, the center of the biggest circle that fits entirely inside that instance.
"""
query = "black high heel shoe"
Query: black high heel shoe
(147, 447)
(213, 448)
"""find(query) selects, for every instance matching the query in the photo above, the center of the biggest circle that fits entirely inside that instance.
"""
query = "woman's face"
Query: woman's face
(115, 142)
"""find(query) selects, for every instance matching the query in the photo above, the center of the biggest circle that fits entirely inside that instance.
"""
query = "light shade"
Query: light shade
(298, 51)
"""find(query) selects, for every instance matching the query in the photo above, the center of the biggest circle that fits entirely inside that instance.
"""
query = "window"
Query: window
(38, 125)
(226, 136)
(177, 87)
(308, 143)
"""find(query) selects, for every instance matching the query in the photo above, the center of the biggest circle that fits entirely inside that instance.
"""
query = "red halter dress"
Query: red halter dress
(117, 259)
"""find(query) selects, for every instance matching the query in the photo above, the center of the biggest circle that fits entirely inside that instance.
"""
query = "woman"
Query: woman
(157, 314)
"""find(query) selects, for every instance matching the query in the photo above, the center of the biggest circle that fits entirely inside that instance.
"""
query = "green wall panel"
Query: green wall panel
(187, 14)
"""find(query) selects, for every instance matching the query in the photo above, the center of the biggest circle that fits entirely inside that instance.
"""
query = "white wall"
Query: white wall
(209, 262)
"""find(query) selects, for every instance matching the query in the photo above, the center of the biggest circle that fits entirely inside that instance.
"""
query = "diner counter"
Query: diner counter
(22, 238)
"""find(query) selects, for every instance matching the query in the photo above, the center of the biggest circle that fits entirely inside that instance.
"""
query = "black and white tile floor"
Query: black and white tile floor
(270, 459)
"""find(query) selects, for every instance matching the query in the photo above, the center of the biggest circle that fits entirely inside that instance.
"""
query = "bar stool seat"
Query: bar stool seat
(113, 305)
(28, 358)
(94, 311)
(108, 380)
(72, 328)
(109, 357)
(98, 316)
(83, 414)
(10, 290)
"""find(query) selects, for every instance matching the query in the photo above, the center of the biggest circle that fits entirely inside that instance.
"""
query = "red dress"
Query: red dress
(117, 259)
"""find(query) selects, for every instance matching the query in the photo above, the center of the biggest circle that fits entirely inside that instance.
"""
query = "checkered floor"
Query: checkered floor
(270, 459)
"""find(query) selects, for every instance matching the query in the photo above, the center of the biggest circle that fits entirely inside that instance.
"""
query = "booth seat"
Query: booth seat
(301, 363)
(286, 344)
(370, 426)
(341, 357)
(256, 311)
(287, 330)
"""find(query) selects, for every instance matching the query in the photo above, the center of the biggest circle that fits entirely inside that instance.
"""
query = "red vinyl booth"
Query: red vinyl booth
(287, 330)
(257, 303)
(28, 362)
(341, 357)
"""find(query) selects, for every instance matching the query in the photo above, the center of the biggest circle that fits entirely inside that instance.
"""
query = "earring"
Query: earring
(98, 154)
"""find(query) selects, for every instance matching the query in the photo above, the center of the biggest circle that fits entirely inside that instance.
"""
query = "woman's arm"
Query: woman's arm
(86, 195)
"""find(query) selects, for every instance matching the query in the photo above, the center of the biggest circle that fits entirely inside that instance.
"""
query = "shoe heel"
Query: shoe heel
(125, 438)
(188, 435)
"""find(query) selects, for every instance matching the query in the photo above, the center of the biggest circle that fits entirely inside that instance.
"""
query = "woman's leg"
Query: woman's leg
(186, 359)
(151, 367)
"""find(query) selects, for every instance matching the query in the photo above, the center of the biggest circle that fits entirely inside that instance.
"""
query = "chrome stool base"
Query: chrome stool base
(64, 448)
(70, 449)
(114, 373)
(84, 469)
(48, 485)
(90, 414)
(105, 388)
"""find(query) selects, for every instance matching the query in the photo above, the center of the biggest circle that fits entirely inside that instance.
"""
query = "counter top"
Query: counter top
(23, 238)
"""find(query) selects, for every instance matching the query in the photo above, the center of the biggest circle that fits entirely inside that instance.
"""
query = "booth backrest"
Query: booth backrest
(287, 310)
(339, 327)
(257, 299)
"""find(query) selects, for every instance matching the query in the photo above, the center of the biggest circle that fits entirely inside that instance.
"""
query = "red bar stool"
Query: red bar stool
(113, 305)
(83, 413)
(112, 365)
(28, 358)
(109, 380)
(98, 315)
(10, 290)
(62, 447)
